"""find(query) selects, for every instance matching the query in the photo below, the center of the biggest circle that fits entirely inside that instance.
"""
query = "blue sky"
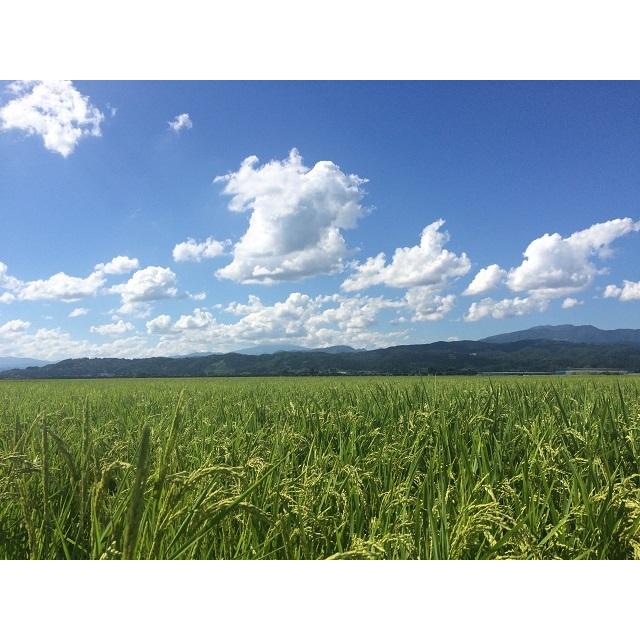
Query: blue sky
(444, 179)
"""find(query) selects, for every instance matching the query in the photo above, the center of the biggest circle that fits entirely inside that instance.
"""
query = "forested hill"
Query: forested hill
(464, 357)
(585, 333)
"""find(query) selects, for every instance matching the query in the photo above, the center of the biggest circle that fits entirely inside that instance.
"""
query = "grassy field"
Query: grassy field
(321, 468)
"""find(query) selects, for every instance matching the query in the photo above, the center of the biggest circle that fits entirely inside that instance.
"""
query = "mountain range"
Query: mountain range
(265, 349)
(545, 349)
(7, 363)
(261, 350)
(587, 334)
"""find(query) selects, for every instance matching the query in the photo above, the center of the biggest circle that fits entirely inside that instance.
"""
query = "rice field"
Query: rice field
(321, 468)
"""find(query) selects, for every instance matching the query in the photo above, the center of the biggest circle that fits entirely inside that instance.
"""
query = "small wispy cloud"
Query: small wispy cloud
(180, 122)
(569, 303)
(192, 251)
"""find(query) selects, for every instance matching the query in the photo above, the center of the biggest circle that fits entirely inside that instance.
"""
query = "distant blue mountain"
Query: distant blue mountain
(7, 363)
(265, 349)
(585, 334)
(268, 349)
(198, 354)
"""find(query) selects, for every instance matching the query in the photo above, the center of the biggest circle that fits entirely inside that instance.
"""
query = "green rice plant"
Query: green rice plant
(136, 504)
(311, 468)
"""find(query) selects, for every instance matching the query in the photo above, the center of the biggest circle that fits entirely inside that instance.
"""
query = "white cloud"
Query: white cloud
(499, 309)
(297, 215)
(118, 266)
(426, 305)
(137, 309)
(569, 303)
(113, 328)
(192, 251)
(612, 291)
(159, 324)
(180, 122)
(7, 281)
(78, 311)
(282, 319)
(199, 319)
(555, 266)
(61, 286)
(54, 110)
(352, 313)
(629, 291)
(14, 326)
(239, 309)
(301, 319)
(485, 280)
(427, 264)
(56, 344)
(147, 285)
